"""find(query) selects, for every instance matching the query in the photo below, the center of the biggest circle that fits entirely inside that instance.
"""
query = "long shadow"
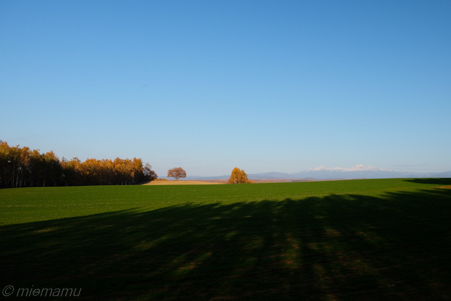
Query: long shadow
(438, 181)
(338, 247)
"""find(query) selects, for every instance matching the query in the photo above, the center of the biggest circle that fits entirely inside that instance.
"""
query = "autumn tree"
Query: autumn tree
(238, 176)
(149, 174)
(176, 172)
(21, 167)
(51, 168)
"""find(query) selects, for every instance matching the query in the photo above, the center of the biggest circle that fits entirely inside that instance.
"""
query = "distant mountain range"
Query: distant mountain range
(321, 173)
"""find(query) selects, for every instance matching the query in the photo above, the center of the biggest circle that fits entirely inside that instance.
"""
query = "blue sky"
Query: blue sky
(210, 85)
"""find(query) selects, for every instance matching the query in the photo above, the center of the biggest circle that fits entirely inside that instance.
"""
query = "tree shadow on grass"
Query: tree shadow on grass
(437, 181)
(337, 247)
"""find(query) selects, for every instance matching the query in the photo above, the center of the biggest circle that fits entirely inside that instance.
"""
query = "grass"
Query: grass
(183, 182)
(340, 240)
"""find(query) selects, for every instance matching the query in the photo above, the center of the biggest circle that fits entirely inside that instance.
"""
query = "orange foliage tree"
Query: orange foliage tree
(149, 173)
(21, 167)
(176, 172)
(238, 176)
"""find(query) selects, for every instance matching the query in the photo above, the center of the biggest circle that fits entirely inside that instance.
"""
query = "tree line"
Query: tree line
(23, 167)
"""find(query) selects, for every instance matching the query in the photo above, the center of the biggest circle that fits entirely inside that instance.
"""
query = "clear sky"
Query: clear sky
(210, 85)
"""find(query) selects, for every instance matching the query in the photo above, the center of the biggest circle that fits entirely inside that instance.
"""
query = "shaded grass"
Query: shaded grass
(344, 240)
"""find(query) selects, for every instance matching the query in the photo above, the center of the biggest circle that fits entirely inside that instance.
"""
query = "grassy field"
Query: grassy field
(339, 240)
(182, 182)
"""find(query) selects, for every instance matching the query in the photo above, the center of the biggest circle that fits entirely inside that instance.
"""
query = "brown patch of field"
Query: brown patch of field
(445, 187)
(181, 182)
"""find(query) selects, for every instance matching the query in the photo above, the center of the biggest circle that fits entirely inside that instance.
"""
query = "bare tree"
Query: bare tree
(176, 172)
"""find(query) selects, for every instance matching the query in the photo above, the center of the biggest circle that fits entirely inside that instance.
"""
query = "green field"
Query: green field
(384, 239)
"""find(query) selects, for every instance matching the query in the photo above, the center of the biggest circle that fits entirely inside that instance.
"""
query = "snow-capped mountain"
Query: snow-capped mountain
(359, 167)
(357, 172)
